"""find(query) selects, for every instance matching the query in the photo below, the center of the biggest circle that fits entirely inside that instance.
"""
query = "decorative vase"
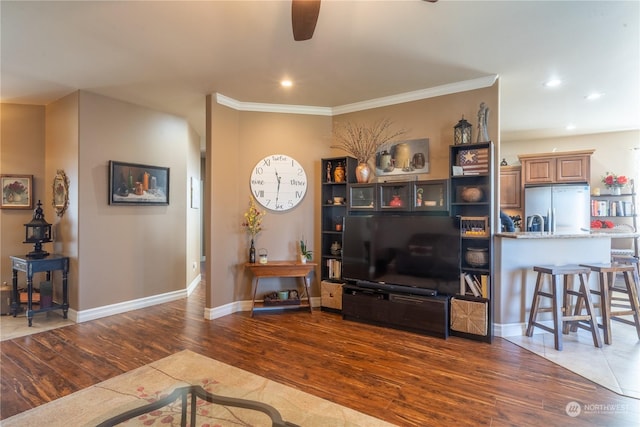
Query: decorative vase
(363, 172)
(402, 156)
(616, 191)
(338, 173)
(396, 201)
(303, 259)
(252, 253)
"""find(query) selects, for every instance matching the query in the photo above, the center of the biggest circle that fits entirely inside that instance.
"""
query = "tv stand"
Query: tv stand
(427, 315)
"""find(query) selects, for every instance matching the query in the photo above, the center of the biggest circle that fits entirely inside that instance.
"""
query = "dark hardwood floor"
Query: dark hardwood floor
(401, 377)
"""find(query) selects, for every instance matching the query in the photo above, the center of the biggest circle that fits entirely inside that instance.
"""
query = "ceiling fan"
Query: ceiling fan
(304, 16)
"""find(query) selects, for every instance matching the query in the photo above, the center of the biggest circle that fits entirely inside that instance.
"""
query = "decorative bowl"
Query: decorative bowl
(471, 194)
(477, 257)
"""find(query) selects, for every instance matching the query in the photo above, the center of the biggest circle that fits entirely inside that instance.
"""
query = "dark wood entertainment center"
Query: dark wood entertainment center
(416, 313)
(466, 196)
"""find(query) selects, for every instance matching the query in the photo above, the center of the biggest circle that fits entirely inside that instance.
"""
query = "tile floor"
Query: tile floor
(615, 366)
(11, 327)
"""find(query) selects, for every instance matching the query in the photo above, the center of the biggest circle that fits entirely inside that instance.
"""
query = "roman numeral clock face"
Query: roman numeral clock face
(278, 182)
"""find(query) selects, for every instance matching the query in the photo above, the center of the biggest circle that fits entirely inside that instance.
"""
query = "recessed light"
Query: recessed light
(286, 83)
(593, 96)
(571, 126)
(553, 83)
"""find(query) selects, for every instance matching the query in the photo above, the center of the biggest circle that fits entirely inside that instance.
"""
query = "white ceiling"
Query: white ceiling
(168, 55)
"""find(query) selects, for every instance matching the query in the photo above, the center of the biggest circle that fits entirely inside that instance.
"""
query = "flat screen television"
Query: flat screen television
(412, 254)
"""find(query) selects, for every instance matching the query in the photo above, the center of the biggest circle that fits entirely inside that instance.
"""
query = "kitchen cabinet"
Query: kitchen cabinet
(556, 168)
(510, 187)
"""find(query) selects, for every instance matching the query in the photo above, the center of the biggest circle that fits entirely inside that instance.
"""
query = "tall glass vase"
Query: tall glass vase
(616, 191)
(252, 253)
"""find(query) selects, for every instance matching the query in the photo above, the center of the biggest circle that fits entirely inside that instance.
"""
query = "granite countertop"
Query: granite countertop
(586, 234)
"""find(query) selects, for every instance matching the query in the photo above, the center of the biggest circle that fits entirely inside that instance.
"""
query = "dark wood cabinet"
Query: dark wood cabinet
(473, 204)
(510, 187)
(335, 200)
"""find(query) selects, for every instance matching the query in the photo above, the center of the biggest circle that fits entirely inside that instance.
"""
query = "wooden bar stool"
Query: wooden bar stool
(563, 319)
(606, 286)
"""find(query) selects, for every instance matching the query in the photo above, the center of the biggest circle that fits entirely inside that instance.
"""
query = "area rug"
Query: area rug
(102, 401)
(614, 366)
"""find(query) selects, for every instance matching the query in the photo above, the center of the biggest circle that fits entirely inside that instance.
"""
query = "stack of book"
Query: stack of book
(476, 285)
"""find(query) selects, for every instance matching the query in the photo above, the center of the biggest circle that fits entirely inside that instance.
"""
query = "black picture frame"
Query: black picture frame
(138, 184)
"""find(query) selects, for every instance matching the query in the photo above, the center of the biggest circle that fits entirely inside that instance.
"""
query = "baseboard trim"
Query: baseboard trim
(234, 307)
(123, 307)
(509, 329)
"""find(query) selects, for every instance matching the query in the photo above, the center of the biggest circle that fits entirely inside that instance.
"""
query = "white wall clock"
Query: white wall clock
(278, 182)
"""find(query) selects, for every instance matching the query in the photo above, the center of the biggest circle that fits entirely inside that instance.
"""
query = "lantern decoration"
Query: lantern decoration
(462, 132)
(38, 231)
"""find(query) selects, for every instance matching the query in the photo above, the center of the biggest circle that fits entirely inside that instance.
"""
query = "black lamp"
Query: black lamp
(38, 231)
(462, 132)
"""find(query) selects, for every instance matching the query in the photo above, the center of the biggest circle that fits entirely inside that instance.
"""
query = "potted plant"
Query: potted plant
(305, 253)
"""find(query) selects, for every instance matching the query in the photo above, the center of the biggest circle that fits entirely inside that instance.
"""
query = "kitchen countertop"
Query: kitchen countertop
(586, 234)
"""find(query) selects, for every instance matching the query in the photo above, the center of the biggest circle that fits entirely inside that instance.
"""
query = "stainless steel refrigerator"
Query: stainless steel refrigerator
(564, 207)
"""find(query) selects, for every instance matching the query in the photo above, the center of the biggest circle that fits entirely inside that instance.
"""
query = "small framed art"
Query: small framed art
(17, 191)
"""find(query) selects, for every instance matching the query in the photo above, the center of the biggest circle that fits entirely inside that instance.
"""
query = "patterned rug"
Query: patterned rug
(102, 401)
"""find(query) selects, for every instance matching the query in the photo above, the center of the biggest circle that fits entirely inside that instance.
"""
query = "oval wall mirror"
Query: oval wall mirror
(60, 192)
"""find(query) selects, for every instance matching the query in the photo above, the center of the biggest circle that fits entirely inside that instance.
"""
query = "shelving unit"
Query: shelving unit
(621, 210)
(411, 196)
(472, 201)
(333, 213)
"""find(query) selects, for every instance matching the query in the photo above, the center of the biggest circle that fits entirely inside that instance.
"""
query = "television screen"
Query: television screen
(420, 252)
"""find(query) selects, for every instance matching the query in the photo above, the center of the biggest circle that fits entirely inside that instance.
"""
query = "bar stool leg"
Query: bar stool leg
(633, 298)
(605, 306)
(584, 289)
(533, 314)
(557, 312)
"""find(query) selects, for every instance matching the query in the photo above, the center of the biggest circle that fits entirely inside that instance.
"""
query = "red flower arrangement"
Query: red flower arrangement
(596, 223)
(612, 180)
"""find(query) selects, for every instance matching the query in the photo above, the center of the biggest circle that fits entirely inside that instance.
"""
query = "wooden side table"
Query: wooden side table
(280, 269)
(38, 265)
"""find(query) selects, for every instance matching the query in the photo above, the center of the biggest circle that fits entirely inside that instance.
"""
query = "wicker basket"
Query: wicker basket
(471, 317)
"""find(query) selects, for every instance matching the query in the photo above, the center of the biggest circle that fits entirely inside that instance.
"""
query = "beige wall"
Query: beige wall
(22, 145)
(62, 147)
(118, 253)
(238, 141)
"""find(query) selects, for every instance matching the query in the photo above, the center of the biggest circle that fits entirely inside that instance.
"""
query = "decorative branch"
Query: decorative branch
(362, 141)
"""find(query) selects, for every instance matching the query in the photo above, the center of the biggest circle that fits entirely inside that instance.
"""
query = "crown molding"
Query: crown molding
(401, 98)
(272, 108)
(417, 95)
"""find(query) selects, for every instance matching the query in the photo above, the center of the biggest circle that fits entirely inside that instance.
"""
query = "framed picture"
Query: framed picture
(17, 191)
(136, 184)
(60, 192)
(404, 157)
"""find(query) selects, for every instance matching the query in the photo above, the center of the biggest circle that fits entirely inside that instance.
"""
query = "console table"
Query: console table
(280, 269)
(37, 265)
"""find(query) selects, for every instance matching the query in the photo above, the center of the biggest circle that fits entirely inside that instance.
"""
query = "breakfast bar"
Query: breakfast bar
(516, 255)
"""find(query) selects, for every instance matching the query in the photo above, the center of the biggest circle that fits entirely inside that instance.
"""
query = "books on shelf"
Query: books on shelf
(611, 208)
(334, 267)
(474, 284)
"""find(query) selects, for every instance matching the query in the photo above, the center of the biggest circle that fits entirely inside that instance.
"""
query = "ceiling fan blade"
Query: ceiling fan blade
(304, 16)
